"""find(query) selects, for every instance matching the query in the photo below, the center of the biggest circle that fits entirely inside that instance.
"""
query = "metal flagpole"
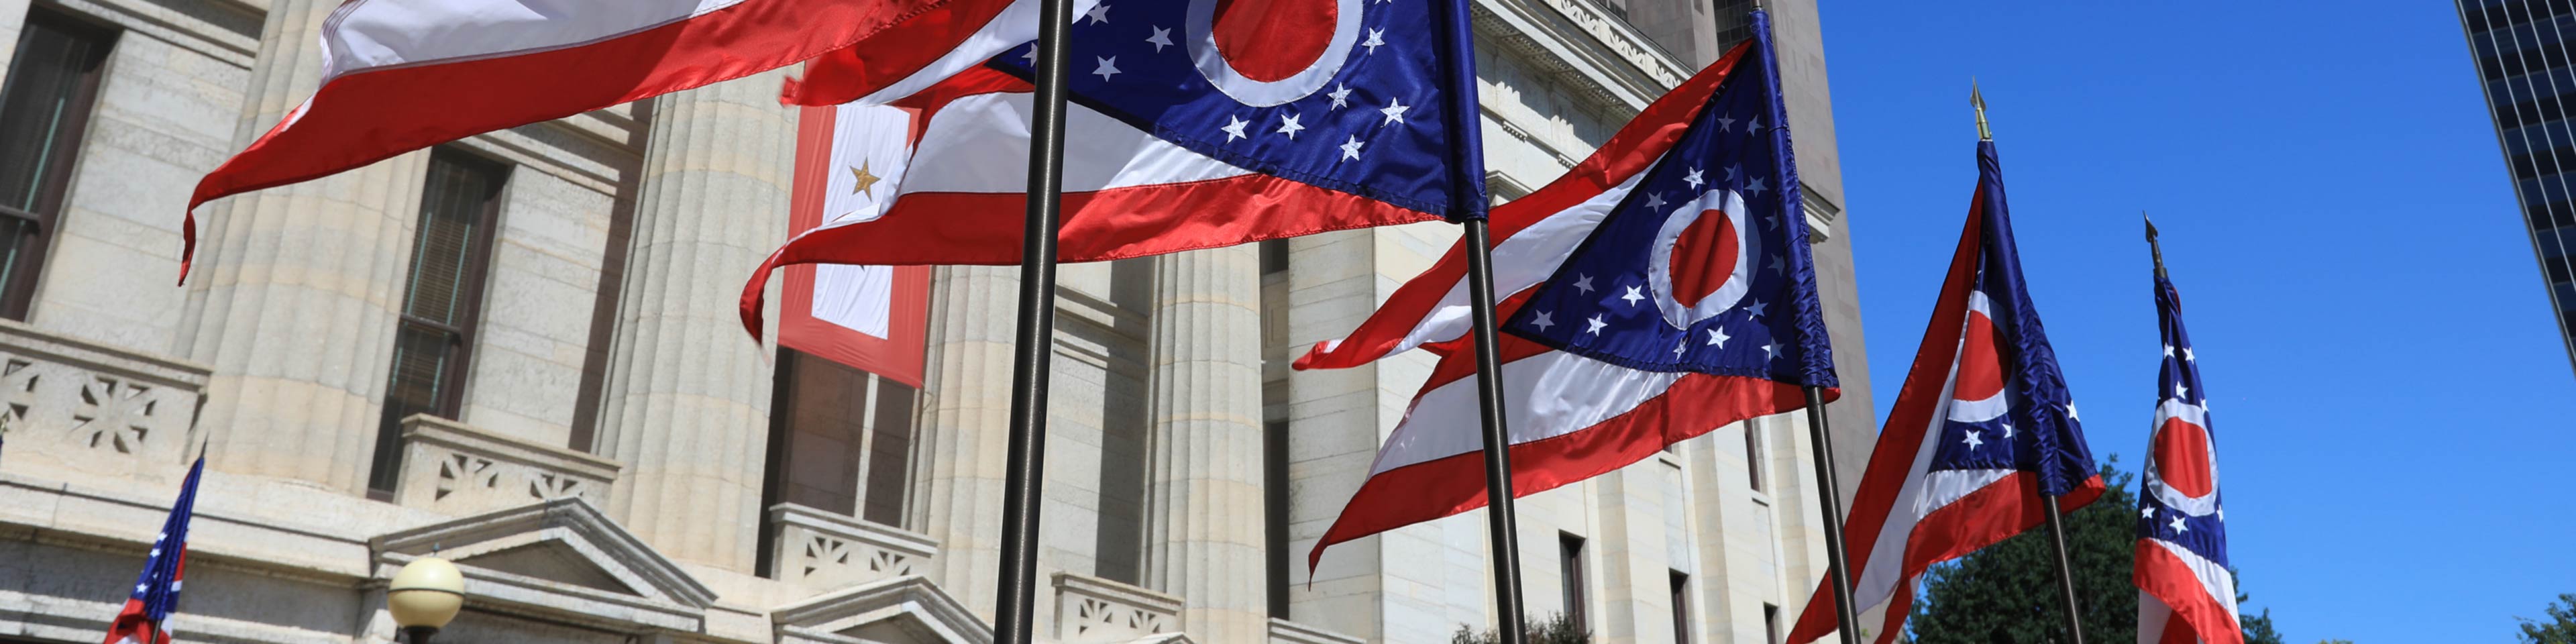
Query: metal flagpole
(1838, 563)
(2056, 519)
(1035, 336)
(2152, 247)
(1500, 518)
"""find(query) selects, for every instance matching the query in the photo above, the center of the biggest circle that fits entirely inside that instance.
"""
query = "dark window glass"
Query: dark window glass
(1569, 555)
(1681, 606)
(1274, 256)
(53, 80)
(1771, 624)
(840, 441)
(1274, 501)
(1753, 457)
(441, 300)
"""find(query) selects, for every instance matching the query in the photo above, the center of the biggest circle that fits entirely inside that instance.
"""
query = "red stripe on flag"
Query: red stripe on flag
(2171, 581)
(846, 74)
(1891, 461)
(369, 116)
(1116, 223)
(1696, 404)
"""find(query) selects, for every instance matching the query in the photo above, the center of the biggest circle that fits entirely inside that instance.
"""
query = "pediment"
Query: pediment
(561, 557)
(900, 610)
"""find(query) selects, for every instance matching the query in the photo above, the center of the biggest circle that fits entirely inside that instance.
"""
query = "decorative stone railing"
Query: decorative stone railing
(1091, 610)
(456, 469)
(72, 408)
(822, 550)
(1287, 632)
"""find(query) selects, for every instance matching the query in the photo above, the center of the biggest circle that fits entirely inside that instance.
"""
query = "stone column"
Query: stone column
(1204, 521)
(298, 288)
(965, 420)
(686, 407)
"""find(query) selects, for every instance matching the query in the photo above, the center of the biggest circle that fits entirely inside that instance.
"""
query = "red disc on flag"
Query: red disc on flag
(1703, 257)
(2182, 458)
(1981, 371)
(1271, 40)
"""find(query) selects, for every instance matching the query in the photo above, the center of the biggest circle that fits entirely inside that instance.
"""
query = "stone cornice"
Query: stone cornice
(1584, 46)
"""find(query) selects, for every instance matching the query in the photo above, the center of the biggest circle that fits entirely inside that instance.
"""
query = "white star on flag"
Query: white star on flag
(1771, 351)
(1351, 148)
(2186, 354)
(1718, 337)
(1972, 441)
(1655, 201)
(1756, 187)
(1108, 68)
(1776, 266)
(2070, 412)
(1234, 128)
(1394, 111)
(1632, 296)
(2147, 513)
(1376, 37)
(1161, 38)
(1757, 307)
(1341, 95)
(1288, 125)
(1694, 179)
(1678, 348)
(2181, 391)
(1725, 124)
(1583, 283)
(1595, 325)
(1099, 13)
(2008, 430)
(2168, 351)
(1543, 321)
(2178, 526)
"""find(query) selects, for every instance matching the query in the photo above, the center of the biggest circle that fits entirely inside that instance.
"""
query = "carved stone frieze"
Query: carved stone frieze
(823, 550)
(456, 469)
(72, 408)
(1091, 610)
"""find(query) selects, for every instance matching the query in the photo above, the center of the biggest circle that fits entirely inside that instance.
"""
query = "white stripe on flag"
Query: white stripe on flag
(387, 33)
(1553, 394)
(979, 144)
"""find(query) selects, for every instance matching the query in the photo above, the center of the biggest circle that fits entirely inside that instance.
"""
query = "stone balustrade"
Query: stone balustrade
(1287, 632)
(456, 469)
(1091, 610)
(823, 550)
(75, 409)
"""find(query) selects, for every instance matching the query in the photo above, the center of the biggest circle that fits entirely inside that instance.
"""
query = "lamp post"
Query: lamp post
(425, 595)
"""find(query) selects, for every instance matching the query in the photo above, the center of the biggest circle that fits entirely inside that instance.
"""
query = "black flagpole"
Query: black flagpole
(2056, 519)
(1035, 337)
(1500, 518)
(1830, 502)
(2152, 247)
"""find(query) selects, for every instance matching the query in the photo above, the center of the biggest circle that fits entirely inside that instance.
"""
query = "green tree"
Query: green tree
(2561, 627)
(2008, 592)
(1558, 629)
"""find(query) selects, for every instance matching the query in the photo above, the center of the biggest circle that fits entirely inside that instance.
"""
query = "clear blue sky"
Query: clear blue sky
(2392, 404)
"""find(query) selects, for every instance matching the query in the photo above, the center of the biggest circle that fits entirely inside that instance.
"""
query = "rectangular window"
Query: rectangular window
(1753, 456)
(1681, 606)
(459, 205)
(1569, 553)
(1771, 624)
(840, 441)
(53, 80)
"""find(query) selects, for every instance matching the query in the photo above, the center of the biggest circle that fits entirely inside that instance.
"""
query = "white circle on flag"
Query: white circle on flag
(1739, 280)
(1200, 33)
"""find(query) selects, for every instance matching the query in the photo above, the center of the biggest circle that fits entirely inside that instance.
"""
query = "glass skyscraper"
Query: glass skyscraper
(2524, 63)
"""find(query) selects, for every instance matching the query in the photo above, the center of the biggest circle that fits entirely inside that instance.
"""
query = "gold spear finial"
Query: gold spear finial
(1978, 99)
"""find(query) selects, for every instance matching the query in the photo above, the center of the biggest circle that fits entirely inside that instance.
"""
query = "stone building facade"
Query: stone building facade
(518, 351)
